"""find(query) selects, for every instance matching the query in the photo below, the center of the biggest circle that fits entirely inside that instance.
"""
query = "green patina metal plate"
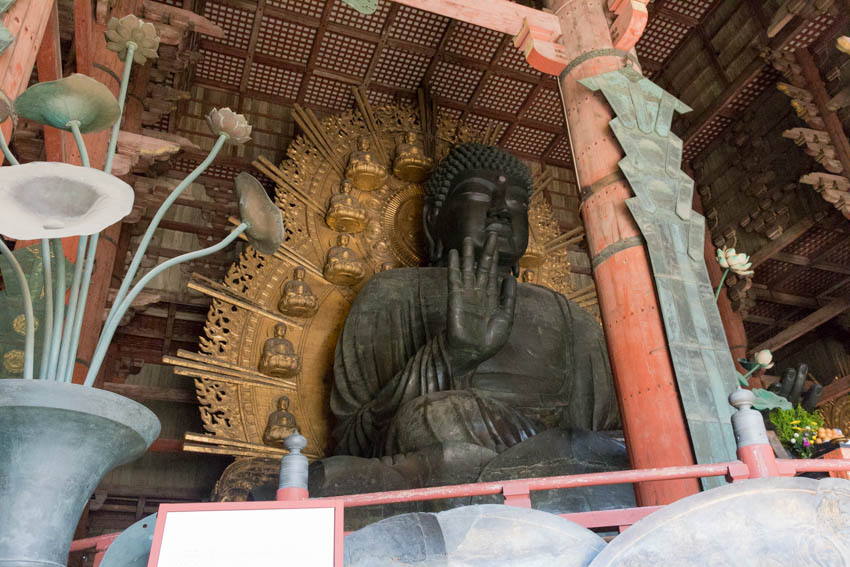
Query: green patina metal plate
(12, 320)
(363, 6)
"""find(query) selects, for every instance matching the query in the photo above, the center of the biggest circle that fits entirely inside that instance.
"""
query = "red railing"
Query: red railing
(756, 461)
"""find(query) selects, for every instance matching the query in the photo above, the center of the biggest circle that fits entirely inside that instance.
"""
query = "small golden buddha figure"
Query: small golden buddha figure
(281, 424)
(387, 266)
(279, 358)
(298, 300)
(411, 164)
(365, 173)
(343, 267)
(344, 212)
(528, 276)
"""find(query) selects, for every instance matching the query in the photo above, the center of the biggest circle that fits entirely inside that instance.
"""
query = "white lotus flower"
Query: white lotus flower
(55, 200)
(765, 358)
(723, 255)
(225, 121)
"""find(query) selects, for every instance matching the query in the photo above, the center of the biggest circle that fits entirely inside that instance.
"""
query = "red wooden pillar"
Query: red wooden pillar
(653, 420)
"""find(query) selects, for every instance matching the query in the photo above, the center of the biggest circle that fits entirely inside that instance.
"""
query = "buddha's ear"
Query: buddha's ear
(429, 220)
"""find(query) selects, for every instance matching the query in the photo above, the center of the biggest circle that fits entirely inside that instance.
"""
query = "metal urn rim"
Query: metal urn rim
(57, 441)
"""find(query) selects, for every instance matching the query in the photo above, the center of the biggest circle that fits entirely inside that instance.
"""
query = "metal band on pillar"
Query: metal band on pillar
(598, 53)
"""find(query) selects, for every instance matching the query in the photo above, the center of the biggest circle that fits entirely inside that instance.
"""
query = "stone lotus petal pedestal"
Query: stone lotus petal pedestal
(57, 440)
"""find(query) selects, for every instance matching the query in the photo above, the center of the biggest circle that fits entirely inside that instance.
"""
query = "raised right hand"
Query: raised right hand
(480, 312)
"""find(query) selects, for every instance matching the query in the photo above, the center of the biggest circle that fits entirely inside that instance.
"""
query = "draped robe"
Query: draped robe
(394, 391)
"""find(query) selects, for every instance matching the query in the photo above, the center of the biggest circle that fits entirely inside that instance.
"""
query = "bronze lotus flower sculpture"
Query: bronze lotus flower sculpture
(76, 98)
(265, 223)
(226, 122)
(130, 29)
(55, 200)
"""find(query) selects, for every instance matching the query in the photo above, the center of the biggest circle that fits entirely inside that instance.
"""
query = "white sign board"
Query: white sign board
(305, 533)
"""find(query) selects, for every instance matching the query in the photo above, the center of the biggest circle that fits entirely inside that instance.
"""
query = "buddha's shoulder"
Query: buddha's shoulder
(403, 281)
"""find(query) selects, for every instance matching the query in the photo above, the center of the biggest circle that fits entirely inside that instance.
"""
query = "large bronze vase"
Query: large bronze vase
(57, 440)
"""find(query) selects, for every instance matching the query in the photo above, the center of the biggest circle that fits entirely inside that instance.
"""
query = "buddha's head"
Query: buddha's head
(280, 330)
(363, 144)
(343, 240)
(283, 403)
(346, 186)
(299, 273)
(477, 190)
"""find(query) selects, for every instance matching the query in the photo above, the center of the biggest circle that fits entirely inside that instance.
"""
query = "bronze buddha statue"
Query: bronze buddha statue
(343, 267)
(365, 173)
(298, 300)
(345, 214)
(455, 373)
(279, 358)
(411, 164)
(280, 425)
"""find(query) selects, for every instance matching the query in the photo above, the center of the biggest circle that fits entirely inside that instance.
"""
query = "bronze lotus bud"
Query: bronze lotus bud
(225, 121)
(130, 29)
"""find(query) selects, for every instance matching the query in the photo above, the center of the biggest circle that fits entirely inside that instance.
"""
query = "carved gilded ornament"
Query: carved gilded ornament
(312, 279)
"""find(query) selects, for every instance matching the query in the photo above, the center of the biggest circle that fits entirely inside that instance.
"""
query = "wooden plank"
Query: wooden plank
(803, 326)
(765, 294)
(27, 21)
(499, 15)
(196, 22)
(833, 124)
(152, 393)
(836, 389)
(49, 66)
(773, 247)
(167, 446)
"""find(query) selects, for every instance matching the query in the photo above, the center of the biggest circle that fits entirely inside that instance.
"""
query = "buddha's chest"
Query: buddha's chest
(535, 359)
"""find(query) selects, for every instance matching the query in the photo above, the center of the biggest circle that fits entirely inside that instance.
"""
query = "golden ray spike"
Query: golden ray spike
(365, 110)
(564, 236)
(284, 253)
(313, 130)
(229, 373)
(216, 290)
(564, 244)
(276, 175)
(582, 291)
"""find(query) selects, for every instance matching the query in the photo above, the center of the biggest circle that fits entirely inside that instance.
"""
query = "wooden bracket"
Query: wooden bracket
(632, 17)
(544, 55)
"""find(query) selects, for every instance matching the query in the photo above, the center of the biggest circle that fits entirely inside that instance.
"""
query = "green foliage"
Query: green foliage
(797, 429)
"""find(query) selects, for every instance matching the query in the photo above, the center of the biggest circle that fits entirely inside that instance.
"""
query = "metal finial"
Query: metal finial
(293, 466)
(747, 423)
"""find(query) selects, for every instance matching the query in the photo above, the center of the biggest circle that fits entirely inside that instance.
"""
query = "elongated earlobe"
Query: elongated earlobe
(515, 270)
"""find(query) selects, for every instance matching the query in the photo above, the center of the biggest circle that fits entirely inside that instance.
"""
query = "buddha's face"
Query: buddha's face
(481, 202)
(299, 273)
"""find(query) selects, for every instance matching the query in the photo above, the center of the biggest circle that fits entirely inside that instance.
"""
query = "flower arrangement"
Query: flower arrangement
(797, 429)
(51, 201)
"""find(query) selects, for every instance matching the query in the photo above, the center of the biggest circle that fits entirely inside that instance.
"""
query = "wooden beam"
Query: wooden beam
(166, 446)
(803, 326)
(49, 67)
(773, 247)
(765, 294)
(835, 390)
(499, 15)
(152, 393)
(27, 21)
(833, 124)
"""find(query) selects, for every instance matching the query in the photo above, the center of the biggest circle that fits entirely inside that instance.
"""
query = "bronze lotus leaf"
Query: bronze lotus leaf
(5, 107)
(130, 29)
(265, 223)
(74, 98)
(225, 121)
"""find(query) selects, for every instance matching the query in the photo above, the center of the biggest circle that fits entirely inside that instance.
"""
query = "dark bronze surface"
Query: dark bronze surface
(440, 370)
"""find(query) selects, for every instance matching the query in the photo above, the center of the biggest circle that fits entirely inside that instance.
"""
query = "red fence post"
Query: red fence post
(517, 495)
(754, 449)
(293, 470)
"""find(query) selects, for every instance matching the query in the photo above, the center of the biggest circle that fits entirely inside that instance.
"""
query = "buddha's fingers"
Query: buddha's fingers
(468, 266)
(455, 281)
(486, 261)
(508, 297)
(493, 298)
